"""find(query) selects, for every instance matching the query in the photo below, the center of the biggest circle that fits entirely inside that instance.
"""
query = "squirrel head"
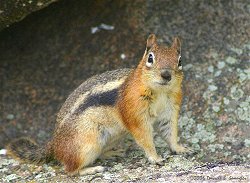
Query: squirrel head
(160, 65)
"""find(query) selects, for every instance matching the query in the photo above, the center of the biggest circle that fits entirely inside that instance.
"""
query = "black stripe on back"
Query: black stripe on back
(101, 99)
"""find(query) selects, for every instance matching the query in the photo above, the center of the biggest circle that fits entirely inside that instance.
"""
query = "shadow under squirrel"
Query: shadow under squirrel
(106, 107)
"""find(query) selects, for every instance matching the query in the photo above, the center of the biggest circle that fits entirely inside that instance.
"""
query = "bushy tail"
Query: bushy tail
(26, 150)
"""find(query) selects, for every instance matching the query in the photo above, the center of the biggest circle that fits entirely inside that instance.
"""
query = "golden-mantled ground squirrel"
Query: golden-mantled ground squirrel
(108, 106)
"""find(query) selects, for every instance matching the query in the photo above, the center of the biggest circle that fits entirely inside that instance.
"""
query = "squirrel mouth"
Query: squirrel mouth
(163, 83)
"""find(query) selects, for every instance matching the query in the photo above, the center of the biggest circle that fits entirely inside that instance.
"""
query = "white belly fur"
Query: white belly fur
(162, 108)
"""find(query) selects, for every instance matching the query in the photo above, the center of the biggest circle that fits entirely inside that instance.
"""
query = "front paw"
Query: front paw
(179, 149)
(156, 160)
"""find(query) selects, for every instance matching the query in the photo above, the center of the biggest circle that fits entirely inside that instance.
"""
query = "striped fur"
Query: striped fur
(108, 106)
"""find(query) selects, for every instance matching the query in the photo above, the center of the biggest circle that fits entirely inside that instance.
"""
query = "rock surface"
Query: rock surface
(176, 169)
(12, 11)
(49, 53)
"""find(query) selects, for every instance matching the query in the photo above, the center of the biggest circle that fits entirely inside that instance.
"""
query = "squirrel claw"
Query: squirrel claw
(158, 160)
(183, 150)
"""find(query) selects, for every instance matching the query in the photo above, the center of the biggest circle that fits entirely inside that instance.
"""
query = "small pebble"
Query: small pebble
(210, 68)
(247, 142)
(221, 65)
(3, 170)
(214, 55)
(231, 60)
(217, 73)
(236, 93)
(194, 140)
(107, 176)
(242, 76)
(216, 108)
(39, 4)
(237, 50)
(212, 87)
(11, 177)
(247, 46)
(226, 101)
(123, 56)
(38, 176)
(188, 66)
(210, 80)
(118, 166)
(3, 152)
(161, 180)
(10, 116)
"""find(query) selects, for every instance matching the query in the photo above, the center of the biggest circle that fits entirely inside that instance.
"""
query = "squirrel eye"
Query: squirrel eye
(179, 63)
(150, 60)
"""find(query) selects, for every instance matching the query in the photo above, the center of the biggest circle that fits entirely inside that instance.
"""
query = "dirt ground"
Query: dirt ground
(52, 51)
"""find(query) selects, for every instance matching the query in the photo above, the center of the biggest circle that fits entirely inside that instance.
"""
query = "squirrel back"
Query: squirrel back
(88, 94)
(93, 86)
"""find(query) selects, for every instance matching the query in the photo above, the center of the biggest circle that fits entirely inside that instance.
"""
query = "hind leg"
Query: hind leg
(78, 152)
(79, 163)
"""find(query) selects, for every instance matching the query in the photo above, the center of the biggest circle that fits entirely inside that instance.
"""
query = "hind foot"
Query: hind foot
(91, 170)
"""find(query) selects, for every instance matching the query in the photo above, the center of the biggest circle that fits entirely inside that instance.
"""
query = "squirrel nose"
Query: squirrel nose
(165, 74)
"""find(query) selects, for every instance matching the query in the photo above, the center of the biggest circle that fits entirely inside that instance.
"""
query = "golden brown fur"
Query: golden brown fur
(108, 106)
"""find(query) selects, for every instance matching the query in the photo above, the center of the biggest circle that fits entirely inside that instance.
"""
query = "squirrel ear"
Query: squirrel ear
(177, 44)
(151, 41)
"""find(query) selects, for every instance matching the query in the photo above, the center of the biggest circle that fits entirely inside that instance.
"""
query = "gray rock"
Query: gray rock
(221, 65)
(12, 11)
(10, 116)
(231, 60)
(212, 87)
